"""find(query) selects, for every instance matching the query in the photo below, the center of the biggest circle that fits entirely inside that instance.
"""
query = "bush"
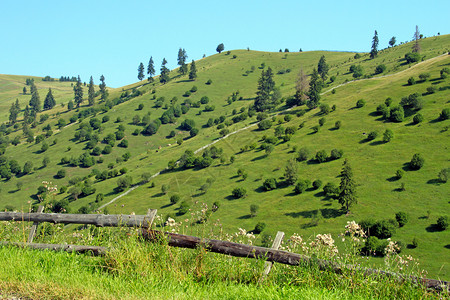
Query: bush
(442, 223)
(239, 193)
(330, 189)
(336, 154)
(260, 226)
(324, 109)
(380, 69)
(416, 162)
(193, 132)
(424, 76)
(321, 156)
(253, 210)
(375, 246)
(418, 118)
(209, 82)
(264, 124)
(322, 121)
(302, 154)
(301, 186)
(372, 135)
(445, 114)
(337, 124)
(382, 229)
(61, 173)
(412, 57)
(411, 81)
(317, 184)
(399, 174)
(360, 103)
(443, 175)
(99, 197)
(402, 218)
(270, 184)
(431, 89)
(388, 135)
(175, 198)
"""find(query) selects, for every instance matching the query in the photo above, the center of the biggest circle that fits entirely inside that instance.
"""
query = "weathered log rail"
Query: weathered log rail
(94, 250)
(279, 256)
(93, 219)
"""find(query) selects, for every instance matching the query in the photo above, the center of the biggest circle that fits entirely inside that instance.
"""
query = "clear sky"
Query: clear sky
(96, 37)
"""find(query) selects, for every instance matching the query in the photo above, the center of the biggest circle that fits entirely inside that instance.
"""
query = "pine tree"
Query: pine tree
(164, 77)
(78, 92)
(266, 85)
(392, 41)
(49, 101)
(13, 114)
(301, 88)
(374, 51)
(347, 188)
(323, 68)
(182, 57)
(35, 103)
(150, 70)
(416, 45)
(141, 71)
(193, 71)
(103, 90)
(315, 87)
(26, 115)
(32, 87)
(17, 105)
(24, 90)
(91, 92)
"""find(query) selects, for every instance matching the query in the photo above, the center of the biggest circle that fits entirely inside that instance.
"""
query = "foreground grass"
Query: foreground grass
(136, 269)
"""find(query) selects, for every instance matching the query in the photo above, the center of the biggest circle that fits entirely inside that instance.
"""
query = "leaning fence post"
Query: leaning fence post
(275, 245)
(35, 225)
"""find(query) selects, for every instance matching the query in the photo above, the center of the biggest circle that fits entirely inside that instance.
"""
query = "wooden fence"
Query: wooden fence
(271, 255)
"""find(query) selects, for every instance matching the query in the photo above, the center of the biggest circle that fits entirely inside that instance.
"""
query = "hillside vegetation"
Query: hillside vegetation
(229, 80)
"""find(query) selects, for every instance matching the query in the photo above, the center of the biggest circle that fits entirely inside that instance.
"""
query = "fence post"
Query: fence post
(35, 225)
(275, 245)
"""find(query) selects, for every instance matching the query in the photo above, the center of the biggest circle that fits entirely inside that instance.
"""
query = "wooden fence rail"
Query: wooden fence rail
(279, 256)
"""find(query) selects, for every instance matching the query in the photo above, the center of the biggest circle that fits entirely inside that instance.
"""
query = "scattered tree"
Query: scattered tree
(315, 87)
(374, 50)
(416, 162)
(220, 48)
(150, 70)
(164, 77)
(181, 61)
(91, 92)
(323, 68)
(49, 101)
(416, 37)
(141, 72)
(266, 86)
(392, 41)
(193, 71)
(347, 188)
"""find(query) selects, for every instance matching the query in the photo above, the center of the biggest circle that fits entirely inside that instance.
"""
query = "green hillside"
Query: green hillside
(374, 163)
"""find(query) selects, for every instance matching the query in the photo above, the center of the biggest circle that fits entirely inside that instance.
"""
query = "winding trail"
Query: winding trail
(255, 124)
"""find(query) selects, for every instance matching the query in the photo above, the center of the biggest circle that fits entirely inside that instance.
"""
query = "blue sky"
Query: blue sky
(112, 37)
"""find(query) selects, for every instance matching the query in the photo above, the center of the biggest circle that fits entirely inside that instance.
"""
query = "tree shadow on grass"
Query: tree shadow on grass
(434, 181)
(447, 246)
(376, 143)
(259, 158)
(229, 197)
(244, 217)
(166, 205)
(260, 189)
(158, 195)
(327, 213)
(393, 178)
(433, 228)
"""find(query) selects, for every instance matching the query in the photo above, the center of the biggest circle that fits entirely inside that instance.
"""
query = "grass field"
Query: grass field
(374, 163)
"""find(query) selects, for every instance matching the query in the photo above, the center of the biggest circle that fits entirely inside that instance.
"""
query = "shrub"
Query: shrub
(445, 114)
(431, 89)
(175, 198)
(399, 174)
(253, 210)
(380, 69)
(442, 223)
(402, 218)
(337, 124)
(315, 128)
(260, 226)
(321, 156)
(375, 246)
(317, 184)
(444, 73)
(418, 118)
(336, 154)
(270, 184)
(322, 121)
(61, 173)
(239, 193)
(184, 208)
(411, 81)
(264, 124)
(372, 135)
(209, 82)
(388, 135)
(324, 109)
(383, 229)
(193, 89)
(330, 189)
(424, 76)
(412, 57)
(301, 186)
(416, 162)
(302, 154)
(360, 103)
(204, 100)
(123, 144)
(443, 175)
(99, 197)
(193, 132)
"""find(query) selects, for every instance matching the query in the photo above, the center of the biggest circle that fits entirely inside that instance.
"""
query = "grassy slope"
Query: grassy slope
(280, 212)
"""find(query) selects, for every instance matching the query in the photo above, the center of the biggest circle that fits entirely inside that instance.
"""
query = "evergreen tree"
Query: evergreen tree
(164, 77)
(49, 101)
(33, 87)
(374, 51)
(150, 70)
(323, 68)
(17, 105)
(416, 45)
(35, 103)
(91, 92)
(103, 90)
(26, 115)
(182, 57)
(24, 90)
(266, 85)
(347, 188)
(13, 114)
(392, 41)
(301, 88)
(78, 92)
(193, 71)
(141, 71)
(315, 87)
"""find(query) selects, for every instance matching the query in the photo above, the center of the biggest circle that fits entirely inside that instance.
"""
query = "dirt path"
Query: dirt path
(255, 124)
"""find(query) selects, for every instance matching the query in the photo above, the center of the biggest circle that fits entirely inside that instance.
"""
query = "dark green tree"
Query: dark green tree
(392, 41)
(181, 60)
(35, 104)
(13, 113)
(150, 69)
(78, 92)
(49, 101)
(315, 87)
(347, 188)
(266, 86)
(91, 92)
(164, 77)
(374, 51)
(103, 90)
(141, 71)
(220, 48)
(323, 68)
(193, 71)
